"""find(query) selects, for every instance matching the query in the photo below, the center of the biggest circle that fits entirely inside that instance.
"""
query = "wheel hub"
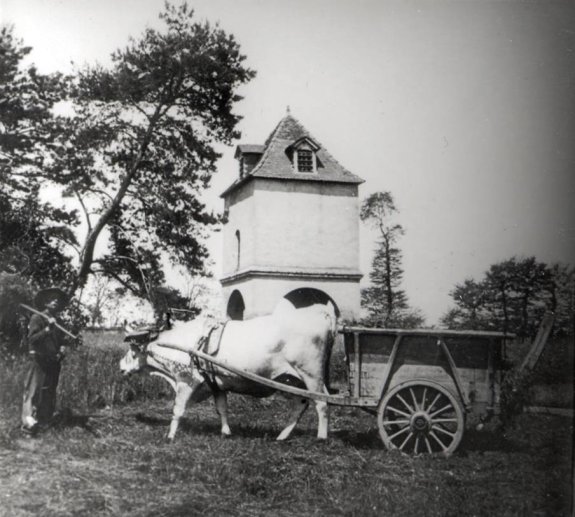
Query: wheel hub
(419, 422)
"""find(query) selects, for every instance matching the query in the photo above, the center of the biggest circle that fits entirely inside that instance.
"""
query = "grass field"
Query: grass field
(117, 463)
(107, 456)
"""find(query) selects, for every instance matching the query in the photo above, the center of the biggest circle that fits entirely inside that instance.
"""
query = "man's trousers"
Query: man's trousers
(40, 391)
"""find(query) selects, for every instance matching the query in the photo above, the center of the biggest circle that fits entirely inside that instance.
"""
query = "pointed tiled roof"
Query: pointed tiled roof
(275, 161)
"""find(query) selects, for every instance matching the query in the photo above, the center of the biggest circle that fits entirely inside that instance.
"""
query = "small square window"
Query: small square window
(304, 160)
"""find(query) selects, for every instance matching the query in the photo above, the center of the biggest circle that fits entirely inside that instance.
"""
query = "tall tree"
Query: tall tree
(138, 150)
(517, 293)
(385, 301)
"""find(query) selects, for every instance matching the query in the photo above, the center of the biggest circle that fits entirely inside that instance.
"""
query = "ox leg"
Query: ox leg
(298, 409)
(316, 384)
(183, 393)
(221, 402)
(322, 419)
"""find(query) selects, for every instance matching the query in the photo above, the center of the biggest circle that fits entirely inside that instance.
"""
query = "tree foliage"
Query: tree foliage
(386, 303)
(513, 296)
(32, 233)
(28, 127)
(134, 148)
(142, 150)
(13, 291)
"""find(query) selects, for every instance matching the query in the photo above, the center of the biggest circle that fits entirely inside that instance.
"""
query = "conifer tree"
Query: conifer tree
(385, 300)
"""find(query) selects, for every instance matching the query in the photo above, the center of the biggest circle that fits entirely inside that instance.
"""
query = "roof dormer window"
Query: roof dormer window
(305, 160)
(248, 156)
(303, 155)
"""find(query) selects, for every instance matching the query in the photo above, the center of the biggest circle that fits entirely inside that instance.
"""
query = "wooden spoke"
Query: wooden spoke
(401, 431)
(395, 410)
(444, 431)
(403, 444)
(405, 403)
(396, 422)
(441, 444)
(422, 407)
(433, 403)
(444, 420)
(428, 445)
(445, 408)
(414, 399)
(416, 444)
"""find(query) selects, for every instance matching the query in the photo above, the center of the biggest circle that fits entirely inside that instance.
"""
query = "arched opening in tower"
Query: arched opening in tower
(236, 306)
(306, 296)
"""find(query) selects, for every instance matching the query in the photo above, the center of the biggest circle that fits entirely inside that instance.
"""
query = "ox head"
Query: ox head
(135, 358)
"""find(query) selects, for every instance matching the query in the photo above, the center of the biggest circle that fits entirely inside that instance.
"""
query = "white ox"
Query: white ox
(288, 345)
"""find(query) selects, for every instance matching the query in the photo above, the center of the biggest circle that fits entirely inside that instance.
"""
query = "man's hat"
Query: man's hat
(46, 295)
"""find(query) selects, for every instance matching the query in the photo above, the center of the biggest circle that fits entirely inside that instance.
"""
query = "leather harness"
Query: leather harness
(206, 369)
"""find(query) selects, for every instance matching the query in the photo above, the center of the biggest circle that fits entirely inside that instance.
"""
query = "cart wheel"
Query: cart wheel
(420, 417)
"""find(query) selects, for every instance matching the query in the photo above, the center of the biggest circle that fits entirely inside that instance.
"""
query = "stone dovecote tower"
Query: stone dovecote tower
(292, 227)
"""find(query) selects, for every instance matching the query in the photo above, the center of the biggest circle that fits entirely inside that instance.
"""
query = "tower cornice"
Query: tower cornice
(292, 273)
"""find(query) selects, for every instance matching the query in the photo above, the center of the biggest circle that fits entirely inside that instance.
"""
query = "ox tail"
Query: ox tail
(331, 334)
(326, 370)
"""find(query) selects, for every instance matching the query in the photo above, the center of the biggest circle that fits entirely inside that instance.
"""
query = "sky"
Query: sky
(463, 110)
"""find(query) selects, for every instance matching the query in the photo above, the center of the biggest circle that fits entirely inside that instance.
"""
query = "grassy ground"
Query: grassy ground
(108, 457)
(118, 463)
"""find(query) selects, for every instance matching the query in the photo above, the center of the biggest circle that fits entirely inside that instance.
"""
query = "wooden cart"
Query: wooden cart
(426, 385)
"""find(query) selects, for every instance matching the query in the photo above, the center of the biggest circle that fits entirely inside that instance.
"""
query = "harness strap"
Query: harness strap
(204, 368)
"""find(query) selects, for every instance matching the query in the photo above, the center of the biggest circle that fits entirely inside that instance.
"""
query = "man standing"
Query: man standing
(45, 341)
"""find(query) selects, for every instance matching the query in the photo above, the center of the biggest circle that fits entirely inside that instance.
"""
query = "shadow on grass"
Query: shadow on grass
(156, 421)
(212, 428)
(473, 441)
(185, 426)
(67, 419)
(366, 440)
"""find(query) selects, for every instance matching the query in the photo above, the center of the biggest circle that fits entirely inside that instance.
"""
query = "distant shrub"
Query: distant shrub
(90, 379)
(14, 290)
(12, 375)
(104, 337)
(516, 394)
(555, 366)
(545, 384)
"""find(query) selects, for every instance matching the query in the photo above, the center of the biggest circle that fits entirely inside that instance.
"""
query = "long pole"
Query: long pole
(27, 307)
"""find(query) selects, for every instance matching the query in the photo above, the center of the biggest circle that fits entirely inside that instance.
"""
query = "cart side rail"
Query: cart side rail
(426, 332)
